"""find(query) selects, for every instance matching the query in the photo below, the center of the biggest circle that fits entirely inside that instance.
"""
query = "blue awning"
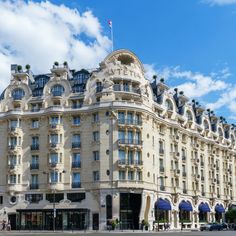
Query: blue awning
(203, 207)
(162, 204)
(219, 208)
(185, 206)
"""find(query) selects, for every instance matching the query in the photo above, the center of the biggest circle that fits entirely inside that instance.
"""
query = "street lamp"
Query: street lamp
(54, 196)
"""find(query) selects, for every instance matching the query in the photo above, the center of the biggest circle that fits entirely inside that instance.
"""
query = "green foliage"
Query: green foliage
(19, 68)
(231, 215)
(27, 67)
(56, 63)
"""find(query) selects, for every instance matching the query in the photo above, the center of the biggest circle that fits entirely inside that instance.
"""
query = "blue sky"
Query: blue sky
(190, 43)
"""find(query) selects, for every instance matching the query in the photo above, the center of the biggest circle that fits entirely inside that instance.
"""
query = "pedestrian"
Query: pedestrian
(9, 226)
(165, 226)
(3, 225)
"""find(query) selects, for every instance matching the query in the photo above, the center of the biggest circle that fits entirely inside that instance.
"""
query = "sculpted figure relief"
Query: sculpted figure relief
(107, 85)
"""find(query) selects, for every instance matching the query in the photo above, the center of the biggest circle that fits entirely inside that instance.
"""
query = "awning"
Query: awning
(162, 204)
(219, 208)
(203, 207)
(185, 206)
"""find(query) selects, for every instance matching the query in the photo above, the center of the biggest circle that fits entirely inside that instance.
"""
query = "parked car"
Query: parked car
(225, 226)
(211, 227)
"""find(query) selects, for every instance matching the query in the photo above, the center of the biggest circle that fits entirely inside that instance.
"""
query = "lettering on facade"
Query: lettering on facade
(123, 71)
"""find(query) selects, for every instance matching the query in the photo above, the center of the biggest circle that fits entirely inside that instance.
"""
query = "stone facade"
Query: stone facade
(108, 144)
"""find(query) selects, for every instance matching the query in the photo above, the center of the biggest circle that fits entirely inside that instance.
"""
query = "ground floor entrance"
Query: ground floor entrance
(130, 205)
(65, 219)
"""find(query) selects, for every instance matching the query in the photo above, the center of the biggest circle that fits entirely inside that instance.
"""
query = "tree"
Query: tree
(231, 215)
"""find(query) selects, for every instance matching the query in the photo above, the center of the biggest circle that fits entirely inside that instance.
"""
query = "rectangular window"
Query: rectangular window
(121, 135)
(76, 120)
(96, 117)
(12, 179)
(33, 198)
(130, 118)
(58, 197)
(96, 136)
(138, 157)
(130, 157)
(1, 200)
(130, 175)
(13, 124)
(12, 160)
(121, 117)
(54, 139)
(96, 156)
(54, 120)
(121, 156)
(139, 176)
(54, 177)
(35, 123)
(96, 176)
(76, 197)
(53, 158)
(121, 175)
(76, 181)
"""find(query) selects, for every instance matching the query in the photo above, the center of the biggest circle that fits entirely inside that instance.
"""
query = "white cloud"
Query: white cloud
(196, 84)
(41, 33)
(219, 2)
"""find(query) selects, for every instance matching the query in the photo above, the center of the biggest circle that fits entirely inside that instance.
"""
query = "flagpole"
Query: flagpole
(112, 43)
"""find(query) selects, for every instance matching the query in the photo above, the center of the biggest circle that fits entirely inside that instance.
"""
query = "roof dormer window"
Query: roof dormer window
(18, 94)
(57, 90)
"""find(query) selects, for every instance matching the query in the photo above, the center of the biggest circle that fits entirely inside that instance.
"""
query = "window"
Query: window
(54, 139)
(138, 157)
(130, 175)
(54, 177)
(35, 123)
(12, 179)
(121, 175)
(57, 90)
(58, 197)
(33, 198)
(96, 176)
(121, 117)
(35, 141)
(12, 160)
(139, 176)
(54, 120)
(95, 117)
(121, 156)
(53, 158)
(18, 94)
(130, 118)
(76, 120)
(76, 182)
(96, 136)
(121, 135)
(13, 124)
(76, 141)
(96, 156)
(34, 162)
(76, 161)
(1, 200)
(13, 141)
(76, 197)
(34, 179)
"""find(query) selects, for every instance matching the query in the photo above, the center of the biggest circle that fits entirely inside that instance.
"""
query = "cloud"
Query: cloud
(195, 84)
(41, 33)
(219, 2)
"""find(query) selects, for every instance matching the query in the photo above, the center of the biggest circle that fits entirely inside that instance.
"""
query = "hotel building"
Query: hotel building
(85, 147)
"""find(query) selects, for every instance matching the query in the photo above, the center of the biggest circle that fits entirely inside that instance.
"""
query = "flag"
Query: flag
(110, 23)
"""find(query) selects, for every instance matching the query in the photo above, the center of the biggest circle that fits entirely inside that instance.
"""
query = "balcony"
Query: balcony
(126, 89)
(129, 122)
(35, 109)
(76, 164)
(34, 166)
(137, 142)
(14, 130)
(55, 127)
(162, 188)
(54, 146)
(14, 187)
(12, 146)
(162, 169)
(185, 191)
(53, 164)
(34, 186)
(11, 166)
(161, 151)
(34, 147)
(130, 162)
(76, 145)
(76, 185)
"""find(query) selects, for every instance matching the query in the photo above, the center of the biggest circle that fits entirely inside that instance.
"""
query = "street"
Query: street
(118, 233)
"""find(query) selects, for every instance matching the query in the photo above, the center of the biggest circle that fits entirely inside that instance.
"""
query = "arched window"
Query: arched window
(18, 94)
(109, 207)
(169, 105)
(57, 90)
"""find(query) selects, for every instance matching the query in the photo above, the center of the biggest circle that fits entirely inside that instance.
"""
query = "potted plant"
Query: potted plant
(27, 67)
(65, 63)
(56, 63)
(114, 224)
(19, 68)
(145, 224)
